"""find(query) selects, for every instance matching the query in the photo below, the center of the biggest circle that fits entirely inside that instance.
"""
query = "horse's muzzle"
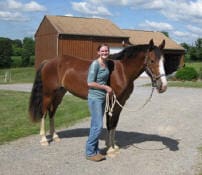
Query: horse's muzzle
(160, 86)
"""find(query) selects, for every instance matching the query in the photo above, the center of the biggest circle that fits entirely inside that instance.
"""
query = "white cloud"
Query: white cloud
(13, 10)
(156, 26)
(33, 6)
(17, 5)
(86, 8)
(69, 14)
(194, 29)
(12, 4)
(180, 34)
(12, 16)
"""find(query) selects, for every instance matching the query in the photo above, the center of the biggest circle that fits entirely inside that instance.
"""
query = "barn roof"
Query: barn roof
(143, 37)
(85, 26)
(68, 25)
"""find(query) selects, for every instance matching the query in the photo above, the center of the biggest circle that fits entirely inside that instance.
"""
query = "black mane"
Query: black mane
(129, 51)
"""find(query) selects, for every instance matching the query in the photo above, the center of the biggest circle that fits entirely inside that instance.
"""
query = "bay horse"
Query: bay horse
(56, 76)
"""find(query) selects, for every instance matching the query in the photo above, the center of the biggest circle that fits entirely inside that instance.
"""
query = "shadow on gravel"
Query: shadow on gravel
(125, 139)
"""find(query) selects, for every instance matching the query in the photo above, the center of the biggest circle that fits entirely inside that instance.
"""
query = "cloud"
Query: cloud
(87, 9)
(194, 29)
(68, 14)
(12, 16)
(156, 26)
(33, 6)
(13, 10)
(17, 5)
(12, 4)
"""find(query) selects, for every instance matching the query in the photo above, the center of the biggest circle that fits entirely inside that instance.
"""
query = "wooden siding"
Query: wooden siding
(76, 47)
(46, 28)
(45, 48)
(84, 46)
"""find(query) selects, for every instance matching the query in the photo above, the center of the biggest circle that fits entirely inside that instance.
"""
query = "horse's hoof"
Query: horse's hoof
(116, 147)
(112, 152)
(56, 139)
(44, 143)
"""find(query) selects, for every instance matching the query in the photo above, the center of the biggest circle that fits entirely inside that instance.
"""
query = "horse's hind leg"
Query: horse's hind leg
(53, 133)
(59, 93)
(46, 101)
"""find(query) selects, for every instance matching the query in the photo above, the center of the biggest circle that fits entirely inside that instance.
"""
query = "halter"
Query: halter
(154, 78)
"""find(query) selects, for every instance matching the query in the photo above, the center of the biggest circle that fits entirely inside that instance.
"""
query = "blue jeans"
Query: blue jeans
(96, 107)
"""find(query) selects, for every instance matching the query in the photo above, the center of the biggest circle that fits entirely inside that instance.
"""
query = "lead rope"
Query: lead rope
(109, 108)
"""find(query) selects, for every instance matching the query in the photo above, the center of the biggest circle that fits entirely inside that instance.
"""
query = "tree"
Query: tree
(27, 51)
(198, 44)
(165, 33)
(187, 48)
(5, 52)
(17, 47)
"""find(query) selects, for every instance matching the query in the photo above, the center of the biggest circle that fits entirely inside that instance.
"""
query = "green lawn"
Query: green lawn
(14, 120)
(17, 75)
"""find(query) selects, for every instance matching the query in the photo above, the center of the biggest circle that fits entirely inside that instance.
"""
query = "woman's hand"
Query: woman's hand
(108, 89)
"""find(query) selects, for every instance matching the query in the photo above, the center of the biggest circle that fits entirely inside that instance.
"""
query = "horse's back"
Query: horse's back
(72, 74)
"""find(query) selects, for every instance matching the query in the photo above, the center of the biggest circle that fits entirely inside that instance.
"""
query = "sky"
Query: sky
(182, 19)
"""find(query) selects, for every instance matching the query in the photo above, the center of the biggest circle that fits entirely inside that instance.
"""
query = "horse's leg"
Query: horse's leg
(111, 127)
(53, 133)
(113, 121)
(46, 103)
(44, 140)
(59, 93)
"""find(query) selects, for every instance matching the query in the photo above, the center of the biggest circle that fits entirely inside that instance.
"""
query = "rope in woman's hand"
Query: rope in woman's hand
(110, 103)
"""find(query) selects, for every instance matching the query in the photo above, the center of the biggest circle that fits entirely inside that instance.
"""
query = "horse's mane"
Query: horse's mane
(129, 51)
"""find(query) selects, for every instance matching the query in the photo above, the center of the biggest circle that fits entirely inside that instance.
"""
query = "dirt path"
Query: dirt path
(161, 139)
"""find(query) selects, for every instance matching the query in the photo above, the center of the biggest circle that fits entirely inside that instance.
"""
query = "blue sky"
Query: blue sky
(182, 19)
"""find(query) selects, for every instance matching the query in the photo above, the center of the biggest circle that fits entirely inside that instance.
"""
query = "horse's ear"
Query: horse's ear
(162, 45)
(151, 44)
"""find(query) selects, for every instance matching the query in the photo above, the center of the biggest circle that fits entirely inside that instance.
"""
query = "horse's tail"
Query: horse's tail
(36, 98)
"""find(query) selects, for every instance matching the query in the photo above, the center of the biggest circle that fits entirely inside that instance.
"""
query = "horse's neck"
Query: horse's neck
(133, 67)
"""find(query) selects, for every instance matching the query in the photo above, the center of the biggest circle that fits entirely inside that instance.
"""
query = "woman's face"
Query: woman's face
(103, 52)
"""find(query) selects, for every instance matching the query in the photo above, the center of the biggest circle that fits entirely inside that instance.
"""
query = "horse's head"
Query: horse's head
(154, 66)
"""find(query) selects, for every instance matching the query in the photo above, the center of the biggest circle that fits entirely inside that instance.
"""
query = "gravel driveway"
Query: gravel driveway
(160, 139)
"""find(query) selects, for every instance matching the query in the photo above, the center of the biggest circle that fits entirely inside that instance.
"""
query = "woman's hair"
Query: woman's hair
(101, 45)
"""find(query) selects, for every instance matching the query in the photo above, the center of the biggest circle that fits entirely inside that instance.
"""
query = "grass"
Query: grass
(14, 120)
(17, 75)
(187, 84)
(191, 84)
(196, 65)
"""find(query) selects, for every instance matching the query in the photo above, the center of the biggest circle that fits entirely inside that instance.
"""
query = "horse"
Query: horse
(60, 74)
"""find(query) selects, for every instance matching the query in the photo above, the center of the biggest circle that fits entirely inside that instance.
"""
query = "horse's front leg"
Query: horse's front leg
(53, 133)
(44, 140)
(110, 142)
(112, 147)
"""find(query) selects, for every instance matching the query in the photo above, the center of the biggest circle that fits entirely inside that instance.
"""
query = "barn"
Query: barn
(80, 37)
(62, 35)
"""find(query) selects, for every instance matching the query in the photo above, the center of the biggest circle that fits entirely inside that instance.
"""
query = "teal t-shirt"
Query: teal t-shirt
(99, 75)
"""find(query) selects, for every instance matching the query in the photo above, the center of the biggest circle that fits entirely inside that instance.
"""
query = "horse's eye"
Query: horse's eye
(152, 61)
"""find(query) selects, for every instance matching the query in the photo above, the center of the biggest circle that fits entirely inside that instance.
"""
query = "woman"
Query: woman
(97, 82)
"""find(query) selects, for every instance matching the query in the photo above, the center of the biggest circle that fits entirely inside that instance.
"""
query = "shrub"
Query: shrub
(187, 73)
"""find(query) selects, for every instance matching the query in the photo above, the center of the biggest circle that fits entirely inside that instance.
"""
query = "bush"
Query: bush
(187, 73)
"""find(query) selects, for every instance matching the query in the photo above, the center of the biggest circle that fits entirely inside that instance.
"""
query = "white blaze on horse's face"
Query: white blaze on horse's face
(163, 77)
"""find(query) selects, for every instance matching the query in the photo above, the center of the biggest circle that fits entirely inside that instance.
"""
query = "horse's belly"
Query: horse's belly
(76, 84)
